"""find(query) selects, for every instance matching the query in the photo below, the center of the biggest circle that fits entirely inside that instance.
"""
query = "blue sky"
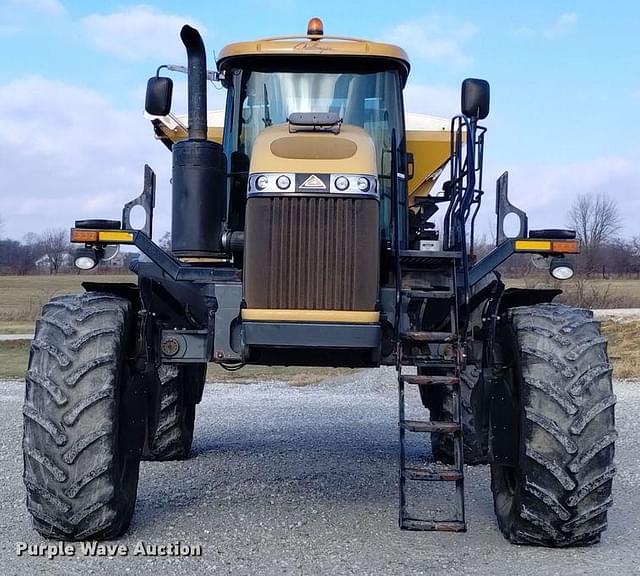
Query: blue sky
(564, 76)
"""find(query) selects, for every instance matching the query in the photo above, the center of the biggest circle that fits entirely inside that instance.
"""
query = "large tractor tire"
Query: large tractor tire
(172, 432)
(444, 408)
(558, 379)
(80, 468)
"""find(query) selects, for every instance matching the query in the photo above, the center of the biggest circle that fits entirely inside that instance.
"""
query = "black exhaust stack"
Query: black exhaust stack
(199, 185)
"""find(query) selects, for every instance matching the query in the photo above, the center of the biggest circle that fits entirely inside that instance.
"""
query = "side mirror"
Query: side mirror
(475, 98)
(158, 99)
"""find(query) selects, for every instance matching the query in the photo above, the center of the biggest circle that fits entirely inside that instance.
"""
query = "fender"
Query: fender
(488, 398)
(128, 290)
(514, 297)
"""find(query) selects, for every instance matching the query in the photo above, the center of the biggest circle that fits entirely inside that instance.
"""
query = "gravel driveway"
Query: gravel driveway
(303, 480)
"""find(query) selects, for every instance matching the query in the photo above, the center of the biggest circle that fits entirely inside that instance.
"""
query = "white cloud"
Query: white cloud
(434, 38)
(66, 152)
(138, 33)
(433, 100)
(562, 25)
(547, 191)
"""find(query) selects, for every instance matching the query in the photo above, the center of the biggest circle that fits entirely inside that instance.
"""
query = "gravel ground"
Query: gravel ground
(303, 480)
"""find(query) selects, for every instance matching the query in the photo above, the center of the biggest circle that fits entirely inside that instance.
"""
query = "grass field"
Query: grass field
(15, 354)
(587, 292)
(22, 297)
(624, 347)
(624, 353)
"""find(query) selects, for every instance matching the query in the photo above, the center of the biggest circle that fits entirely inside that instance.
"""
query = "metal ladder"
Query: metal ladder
(415, 347)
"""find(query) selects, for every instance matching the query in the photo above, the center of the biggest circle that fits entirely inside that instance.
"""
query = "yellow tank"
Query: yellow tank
(428, 139)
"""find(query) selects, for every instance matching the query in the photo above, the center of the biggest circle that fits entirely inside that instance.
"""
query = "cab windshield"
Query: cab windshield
(369, 98)
(369, 101)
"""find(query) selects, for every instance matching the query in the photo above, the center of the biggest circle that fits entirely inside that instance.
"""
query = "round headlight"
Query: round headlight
(363, 184)
(562, 272)
(84, 262)
(342, 183)
(283, 182)
(262, 182)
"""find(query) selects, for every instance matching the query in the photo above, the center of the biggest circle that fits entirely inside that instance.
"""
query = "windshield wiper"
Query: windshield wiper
(267, 114)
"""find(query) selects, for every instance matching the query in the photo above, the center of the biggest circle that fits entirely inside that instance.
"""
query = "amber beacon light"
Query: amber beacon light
(315, 27)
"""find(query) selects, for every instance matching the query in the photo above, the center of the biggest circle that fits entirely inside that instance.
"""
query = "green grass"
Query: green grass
(16, 327)
(586, 292)
(22, 297)
(624, 352)
(14, 355)
(624, 346)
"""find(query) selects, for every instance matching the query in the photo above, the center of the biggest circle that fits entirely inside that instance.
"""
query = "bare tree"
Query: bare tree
(596, 219)
(55, 245)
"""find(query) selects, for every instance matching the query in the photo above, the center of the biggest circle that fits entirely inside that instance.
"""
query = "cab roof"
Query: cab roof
(314, 44)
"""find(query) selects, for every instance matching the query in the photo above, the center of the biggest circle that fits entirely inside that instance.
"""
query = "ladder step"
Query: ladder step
(435, 337)
(430, 294)
(433, 525)
(431, 380)
(430, 254)
(430, 362)
(433, 473)
(423, 426)
(428, 260)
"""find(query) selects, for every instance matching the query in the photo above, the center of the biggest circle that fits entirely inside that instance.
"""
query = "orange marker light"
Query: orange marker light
(315, 27)
(82, 235)
(566, 246)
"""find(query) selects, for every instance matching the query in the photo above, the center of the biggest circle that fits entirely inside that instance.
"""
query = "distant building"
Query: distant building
(45, 263)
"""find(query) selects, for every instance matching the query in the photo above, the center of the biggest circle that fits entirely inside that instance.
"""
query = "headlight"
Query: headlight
(84, 263)
(562, 272)
(87, 258)
(262, 182)
(363, 184)
(283, 182)
(342, 183)
(561, 269)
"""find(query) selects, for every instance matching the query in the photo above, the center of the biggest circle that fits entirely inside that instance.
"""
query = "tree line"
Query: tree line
(595, 218)
(604, 252)
(49, 252)
(20, 257)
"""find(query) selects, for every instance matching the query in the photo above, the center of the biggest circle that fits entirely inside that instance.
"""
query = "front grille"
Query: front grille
(313, 253)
